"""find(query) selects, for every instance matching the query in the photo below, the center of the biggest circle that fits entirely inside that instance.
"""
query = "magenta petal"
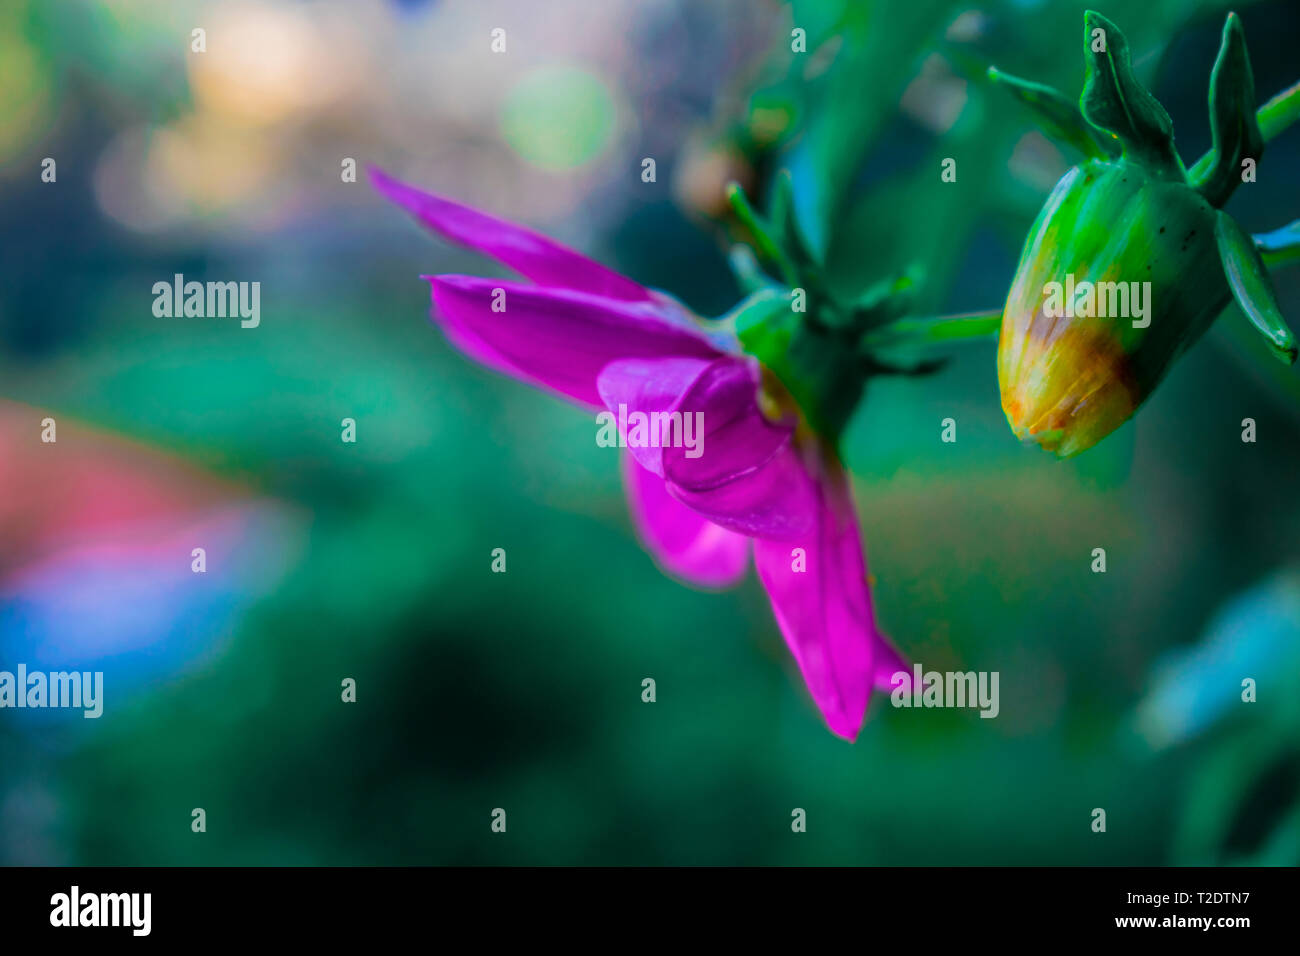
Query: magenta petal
(738, 469)
(652, 388)
(531, 254)
(888, 663)
(738, 438)
(772, 502)
(745, 474)
(556, 338)
(477, 349)
(824, 611)
(683, 543)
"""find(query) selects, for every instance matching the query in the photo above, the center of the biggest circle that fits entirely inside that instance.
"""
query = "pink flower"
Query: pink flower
(759, 474)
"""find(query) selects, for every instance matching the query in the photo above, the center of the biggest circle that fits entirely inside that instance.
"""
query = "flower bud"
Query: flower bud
(1131, 258)
(1119, 275)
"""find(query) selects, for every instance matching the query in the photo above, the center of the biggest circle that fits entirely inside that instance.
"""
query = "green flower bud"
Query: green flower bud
(1130, 259)
(1120, 275)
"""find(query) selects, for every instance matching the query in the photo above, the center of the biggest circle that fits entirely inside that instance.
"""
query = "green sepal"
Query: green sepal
(1058, 116)
(764, 324)
(1251, 286)
(786, 231)
(1232, 116)
(818, 370)
(882, 302)
(1274, 118)
(762, 235)
(749, 274)
(906, 345)
(1117, 103)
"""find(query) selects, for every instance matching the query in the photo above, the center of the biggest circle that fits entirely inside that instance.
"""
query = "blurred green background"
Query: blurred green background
(372, 560)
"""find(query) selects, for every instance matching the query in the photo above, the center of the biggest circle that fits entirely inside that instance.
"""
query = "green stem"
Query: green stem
(1280, 259)
(1279, 112)
(1273, 118)
(1281, 247)
(940, 330)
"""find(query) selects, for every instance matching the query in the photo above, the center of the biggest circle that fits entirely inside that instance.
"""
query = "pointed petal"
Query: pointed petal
(824, 611)
(556, 338)
(683, 543)
(529, 253)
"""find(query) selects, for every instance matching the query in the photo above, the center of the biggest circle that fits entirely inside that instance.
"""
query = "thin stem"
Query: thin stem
(1282, 257)
(939, 330)
(1281, 247)
(1279, 112)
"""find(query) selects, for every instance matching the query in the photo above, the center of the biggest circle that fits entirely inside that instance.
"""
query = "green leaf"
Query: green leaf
(1058, 116)
(1251, 286)
(1115, 102)
(1232, 116)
